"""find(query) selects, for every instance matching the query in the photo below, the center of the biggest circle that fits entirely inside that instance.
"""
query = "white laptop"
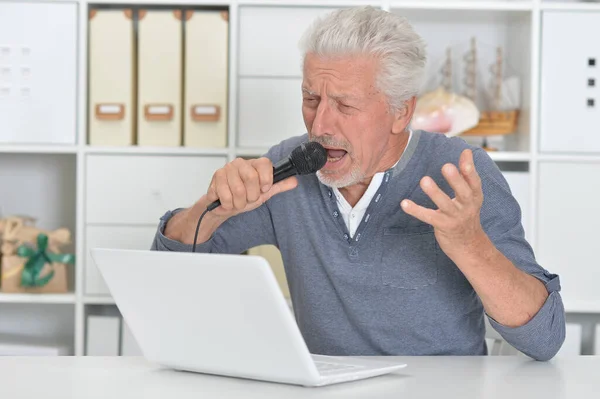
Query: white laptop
(219, 314)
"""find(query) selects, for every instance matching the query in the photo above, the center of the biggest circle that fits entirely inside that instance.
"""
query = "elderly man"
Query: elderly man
(405, 240)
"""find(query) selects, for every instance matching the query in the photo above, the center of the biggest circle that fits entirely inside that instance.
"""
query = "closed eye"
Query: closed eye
(346, 108)
(310, 101)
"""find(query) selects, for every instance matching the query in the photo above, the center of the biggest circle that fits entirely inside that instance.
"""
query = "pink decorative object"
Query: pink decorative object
(443, 112)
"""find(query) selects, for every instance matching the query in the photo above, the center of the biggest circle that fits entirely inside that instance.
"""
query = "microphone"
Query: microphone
(305, 159)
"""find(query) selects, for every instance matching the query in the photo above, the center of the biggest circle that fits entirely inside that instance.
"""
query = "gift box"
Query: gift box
(31, 261)
(12, 269)
(18, 230)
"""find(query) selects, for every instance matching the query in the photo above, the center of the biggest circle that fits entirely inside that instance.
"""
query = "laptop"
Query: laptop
(219, 314)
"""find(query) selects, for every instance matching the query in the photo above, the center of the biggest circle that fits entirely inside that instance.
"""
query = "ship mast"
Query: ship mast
(496, 70)
(447, 72)
(470, 80)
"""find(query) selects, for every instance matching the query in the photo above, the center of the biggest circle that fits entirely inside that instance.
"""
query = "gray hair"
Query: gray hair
(371, 31)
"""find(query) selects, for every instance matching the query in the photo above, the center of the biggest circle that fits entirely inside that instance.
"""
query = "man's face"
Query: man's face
(345, 112)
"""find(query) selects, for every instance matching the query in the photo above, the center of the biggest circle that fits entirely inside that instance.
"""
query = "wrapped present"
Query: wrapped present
(34, 269)
(18, 230)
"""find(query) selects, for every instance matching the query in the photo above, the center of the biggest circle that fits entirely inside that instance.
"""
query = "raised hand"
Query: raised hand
(456, 222)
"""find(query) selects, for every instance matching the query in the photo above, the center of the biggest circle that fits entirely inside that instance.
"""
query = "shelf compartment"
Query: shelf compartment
(52, 322)
(454, 29)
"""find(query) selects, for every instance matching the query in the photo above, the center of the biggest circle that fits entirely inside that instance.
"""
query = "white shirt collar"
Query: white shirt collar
(362, 204)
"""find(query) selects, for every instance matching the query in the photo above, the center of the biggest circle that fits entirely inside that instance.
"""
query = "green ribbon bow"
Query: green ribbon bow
(36, 259)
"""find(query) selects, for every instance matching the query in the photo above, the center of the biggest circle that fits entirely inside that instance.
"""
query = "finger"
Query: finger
(443, 202)
(223, 191)
(425, 215)
(264, 167)
(467, 169)
(236, 185)
(249, 176)
(462, 189)
(211, 193)
(285, 185)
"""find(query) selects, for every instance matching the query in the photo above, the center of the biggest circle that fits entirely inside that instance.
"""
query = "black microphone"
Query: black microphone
(305, 159)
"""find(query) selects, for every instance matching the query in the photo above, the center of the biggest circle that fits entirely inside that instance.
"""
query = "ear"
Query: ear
(403, 115)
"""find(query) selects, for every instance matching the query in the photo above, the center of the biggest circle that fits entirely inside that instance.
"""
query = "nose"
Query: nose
(323, 122)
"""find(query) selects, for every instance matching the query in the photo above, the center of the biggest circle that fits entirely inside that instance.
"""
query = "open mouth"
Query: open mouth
(335, 155)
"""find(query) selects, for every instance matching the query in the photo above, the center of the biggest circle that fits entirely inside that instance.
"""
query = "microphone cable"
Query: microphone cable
(198, 229)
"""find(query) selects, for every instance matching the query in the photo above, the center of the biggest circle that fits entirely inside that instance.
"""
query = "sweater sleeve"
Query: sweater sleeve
(235, 236)
(544, 334)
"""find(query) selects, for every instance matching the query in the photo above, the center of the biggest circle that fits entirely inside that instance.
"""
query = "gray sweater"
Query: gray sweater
(389, 290)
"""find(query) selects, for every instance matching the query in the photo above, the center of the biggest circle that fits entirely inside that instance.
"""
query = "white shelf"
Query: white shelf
(463, 5)
(566, 6)
(307, 3)
(569, 158)
(511, 156)
(37, 298)
(37, 149)
(156, 150)
(56, 1)
(98, 300)
(163, 2)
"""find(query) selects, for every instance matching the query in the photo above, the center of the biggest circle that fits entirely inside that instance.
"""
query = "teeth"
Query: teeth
(333, 159)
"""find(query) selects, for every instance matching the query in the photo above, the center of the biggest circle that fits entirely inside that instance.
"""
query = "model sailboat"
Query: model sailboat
(502, 116)
(444, 111)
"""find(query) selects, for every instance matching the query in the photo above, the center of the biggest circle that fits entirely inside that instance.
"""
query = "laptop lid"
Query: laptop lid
(211, 313)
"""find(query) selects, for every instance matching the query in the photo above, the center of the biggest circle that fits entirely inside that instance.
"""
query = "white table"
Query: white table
(505, 377)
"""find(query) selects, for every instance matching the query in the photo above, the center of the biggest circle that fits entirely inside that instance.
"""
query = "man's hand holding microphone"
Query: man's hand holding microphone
(242, 186)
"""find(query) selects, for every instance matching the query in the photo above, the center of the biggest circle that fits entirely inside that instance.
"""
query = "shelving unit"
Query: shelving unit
(257, 68)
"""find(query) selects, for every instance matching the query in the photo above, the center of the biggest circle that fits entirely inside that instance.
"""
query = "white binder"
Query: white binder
(111, 77)
(159, 68)
(206, 74)
(102, 336)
